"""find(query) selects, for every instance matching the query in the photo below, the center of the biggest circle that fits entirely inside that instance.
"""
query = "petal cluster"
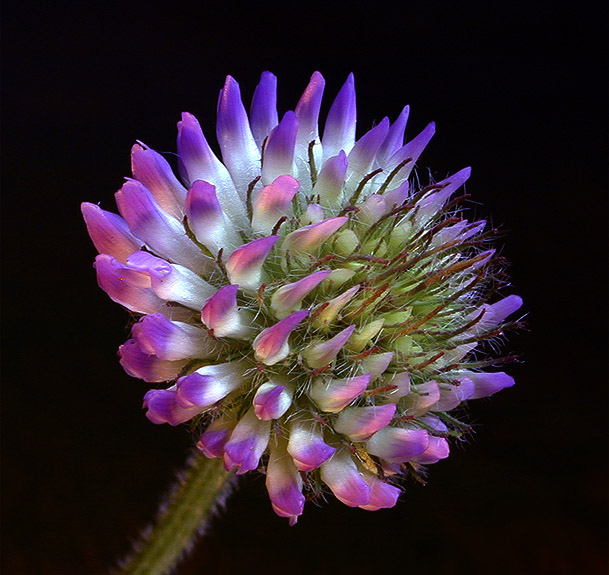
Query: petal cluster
(301, 298)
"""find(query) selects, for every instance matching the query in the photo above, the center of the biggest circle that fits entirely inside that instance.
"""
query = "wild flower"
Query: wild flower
(312, 310)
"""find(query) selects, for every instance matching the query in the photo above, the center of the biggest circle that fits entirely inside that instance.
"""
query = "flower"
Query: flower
(313, 310)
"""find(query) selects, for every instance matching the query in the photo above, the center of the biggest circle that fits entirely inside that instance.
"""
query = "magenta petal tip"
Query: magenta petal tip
(271, 345)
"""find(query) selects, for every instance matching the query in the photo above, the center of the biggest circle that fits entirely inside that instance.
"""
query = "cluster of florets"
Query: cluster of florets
(313, 312)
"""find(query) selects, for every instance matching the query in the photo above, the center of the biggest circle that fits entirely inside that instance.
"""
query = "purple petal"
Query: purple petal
(162, 407)
(147, 367)
(398, 444)
(289, 297)
(109, 232)
(341, 475)
(485, 257)
(503, 308)
(207, 220)
(331, 180)
(397, 196)
(247, 443)
(155, 173)
(162, 232)
(263, 112)
(332, 395)
(201, 390)
(240, 153)
(244, 266)
(359, 423)
(395, 138)
(284, 483)
(172, 282)
(307, 111)
(451, 184)
(412, 150)
(453, 395)
(361, 157)
(309, 238)
(451, 233)
(222, 315)
(278, 154)
(272, 203)
(220, 307)
(462, 230)
(382, 495)
(494, 314)
(434, 202)
(437, 449)
(126, 287)
(271, 345)
(321, 354)
(209, 384)
(172, 340)
(472, 229)
(272, 400)
(203, 208)
(339, 131)
(486, 384)
(198, 162)
(422, 398)
(402, 381)
(307, 447)
(214, 438)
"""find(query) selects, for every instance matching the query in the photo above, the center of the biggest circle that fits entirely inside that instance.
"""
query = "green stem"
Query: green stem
(191, 502)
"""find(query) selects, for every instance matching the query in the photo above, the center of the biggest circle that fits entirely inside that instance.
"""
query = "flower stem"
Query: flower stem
(191, 502)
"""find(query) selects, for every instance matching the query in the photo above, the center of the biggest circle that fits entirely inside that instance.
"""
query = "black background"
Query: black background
(518, 91)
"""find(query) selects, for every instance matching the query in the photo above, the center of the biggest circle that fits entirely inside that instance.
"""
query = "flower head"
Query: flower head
(312, 309)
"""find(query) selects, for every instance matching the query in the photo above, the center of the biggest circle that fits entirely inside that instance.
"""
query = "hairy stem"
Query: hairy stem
(191, 502)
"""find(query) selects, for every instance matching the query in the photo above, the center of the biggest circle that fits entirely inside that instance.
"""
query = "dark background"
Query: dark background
(519, 92)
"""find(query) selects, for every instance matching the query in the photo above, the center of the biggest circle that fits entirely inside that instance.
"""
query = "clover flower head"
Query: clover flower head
(308, 306)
